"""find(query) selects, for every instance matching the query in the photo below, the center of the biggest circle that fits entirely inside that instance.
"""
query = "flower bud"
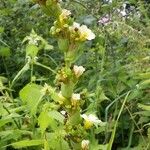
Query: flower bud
(85, 144)
(64, 16)
(75, 100)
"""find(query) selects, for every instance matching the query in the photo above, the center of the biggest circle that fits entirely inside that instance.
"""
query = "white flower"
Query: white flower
(33, 40)
(86, 33)
(75, 96)
(85, 144)
(75, 25)
(123, 13)
(78, 70)
(75, 100)
(63, 112)
(64, 15)
(91, 118)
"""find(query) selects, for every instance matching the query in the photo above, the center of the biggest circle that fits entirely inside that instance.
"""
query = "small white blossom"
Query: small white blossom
(78, 70)
(76, 96)
(33, 40)
(75, 25)
(75, 100)
(91, 118)
(84, 32)
(63, 112)
(85, 144)
(123, 13)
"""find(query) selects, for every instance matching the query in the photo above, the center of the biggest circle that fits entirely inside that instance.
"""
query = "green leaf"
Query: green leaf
(63, 44)
(144, 75)
(8, 119)
(62, 145)
(31, 50)
(31, 95)
(1, 29)
(5, 51)
(145, 82)
(57, 116)
(43, 121)
(27, 143)
(4, 121)
(75, 119)
(14, 134)
(3, 79)
(144, 107)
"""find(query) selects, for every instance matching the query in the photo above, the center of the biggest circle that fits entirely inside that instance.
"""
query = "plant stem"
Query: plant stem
(46, 67)
(116, 123)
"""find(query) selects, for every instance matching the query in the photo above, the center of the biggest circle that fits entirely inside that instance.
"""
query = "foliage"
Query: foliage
(47, 98)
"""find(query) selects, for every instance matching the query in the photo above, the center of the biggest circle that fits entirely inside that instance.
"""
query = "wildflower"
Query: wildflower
(63, 112)
(33, 38)
(64, 15)
(85, 144)
(86, 33)
(46, 89)
(105, 20)
(75, 100)
(75, 25)
(76, 96)
(83, 33)
(90, 120)
(78, 70)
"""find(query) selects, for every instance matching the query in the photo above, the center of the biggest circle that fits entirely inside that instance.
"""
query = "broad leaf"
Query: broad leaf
(144, 107)
(31, 94)
(27, 143)
(57, 116)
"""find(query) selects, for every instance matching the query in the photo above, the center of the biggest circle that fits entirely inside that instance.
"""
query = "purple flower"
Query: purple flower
(105, 20)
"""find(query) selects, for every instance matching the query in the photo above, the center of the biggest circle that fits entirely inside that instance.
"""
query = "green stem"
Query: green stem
(132, 117)
(22, 71)
(6, 69)
(4, 43)
(51, 59)
(130, 136)
(46, 67)
(31, 72)
(116, 123)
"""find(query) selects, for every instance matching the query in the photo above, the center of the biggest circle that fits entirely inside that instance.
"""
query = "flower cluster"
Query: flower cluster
(71, 37)
(33, 38)
(64, 27)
